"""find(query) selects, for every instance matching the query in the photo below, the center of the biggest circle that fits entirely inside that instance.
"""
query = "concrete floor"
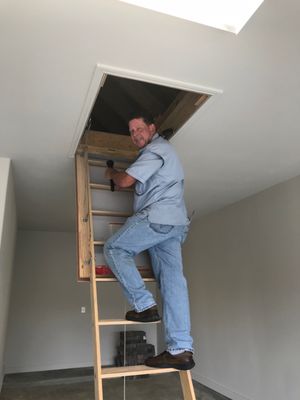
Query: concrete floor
(77, 384)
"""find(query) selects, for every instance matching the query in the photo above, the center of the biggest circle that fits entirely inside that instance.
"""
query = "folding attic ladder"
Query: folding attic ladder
(87, 259)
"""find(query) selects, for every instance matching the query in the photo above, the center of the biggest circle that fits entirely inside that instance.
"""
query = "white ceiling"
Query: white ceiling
(243, 142)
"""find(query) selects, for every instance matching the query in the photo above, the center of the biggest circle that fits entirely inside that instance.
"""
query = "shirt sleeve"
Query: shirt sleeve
(145, 166)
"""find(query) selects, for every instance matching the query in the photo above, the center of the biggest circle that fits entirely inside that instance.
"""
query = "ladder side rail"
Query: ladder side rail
(94, 300)
(187, 385)
(83, 221)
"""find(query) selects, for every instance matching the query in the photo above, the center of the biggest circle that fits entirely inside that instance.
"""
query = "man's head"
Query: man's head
(142, 130)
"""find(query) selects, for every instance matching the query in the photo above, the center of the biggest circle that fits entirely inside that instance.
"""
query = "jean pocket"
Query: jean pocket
(161, 228)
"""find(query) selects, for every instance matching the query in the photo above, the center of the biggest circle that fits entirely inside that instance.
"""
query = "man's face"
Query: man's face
(141, 133)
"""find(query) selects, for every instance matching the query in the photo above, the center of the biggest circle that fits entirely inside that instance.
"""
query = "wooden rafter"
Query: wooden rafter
(180, 110)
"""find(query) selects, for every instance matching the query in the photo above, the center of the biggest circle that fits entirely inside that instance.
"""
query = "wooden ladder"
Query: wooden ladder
(100, 372)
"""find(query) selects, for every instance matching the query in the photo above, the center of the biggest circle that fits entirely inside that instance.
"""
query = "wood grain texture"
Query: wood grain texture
(83, 223)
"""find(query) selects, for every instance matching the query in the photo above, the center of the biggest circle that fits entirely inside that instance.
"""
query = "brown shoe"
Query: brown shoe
(182, 361)
(149, 315)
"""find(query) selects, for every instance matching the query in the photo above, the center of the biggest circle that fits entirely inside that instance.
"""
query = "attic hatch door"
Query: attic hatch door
(119, 97)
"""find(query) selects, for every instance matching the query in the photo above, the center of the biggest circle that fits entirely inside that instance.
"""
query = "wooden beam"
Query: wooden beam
(108, 145)
(180, 110)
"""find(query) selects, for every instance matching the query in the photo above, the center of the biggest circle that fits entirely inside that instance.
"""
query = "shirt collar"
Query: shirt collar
(156, 136)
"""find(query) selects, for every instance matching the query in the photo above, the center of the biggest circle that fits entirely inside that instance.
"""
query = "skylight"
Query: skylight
(228, 15)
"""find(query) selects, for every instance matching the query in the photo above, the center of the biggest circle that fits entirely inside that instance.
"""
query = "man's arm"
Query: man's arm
(121, 179)
(141, 170)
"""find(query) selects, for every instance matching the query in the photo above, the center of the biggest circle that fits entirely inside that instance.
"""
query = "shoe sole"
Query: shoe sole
(181, 367)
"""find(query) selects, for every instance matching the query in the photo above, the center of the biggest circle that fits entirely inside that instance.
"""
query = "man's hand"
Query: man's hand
(121, 179)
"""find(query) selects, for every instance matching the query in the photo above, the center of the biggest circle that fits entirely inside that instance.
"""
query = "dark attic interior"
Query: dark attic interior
(119, 97)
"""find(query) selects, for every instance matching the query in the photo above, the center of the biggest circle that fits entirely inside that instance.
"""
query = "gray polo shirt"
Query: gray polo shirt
(159, 186)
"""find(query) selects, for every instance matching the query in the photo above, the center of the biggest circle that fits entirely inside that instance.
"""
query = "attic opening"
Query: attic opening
(106, 137)
(119, 97)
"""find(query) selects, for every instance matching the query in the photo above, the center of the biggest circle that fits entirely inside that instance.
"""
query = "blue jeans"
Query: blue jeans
(164, 245)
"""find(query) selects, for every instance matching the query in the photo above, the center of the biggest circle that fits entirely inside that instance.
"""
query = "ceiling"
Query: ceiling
(245, 140)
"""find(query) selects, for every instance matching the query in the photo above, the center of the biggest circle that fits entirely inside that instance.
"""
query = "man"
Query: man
(159, 225)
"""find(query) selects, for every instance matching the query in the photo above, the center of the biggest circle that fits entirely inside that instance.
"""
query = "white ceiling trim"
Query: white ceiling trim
(98, 80)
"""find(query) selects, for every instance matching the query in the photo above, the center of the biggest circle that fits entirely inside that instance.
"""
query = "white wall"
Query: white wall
(7, 244)
(46, 329)
(242, 264)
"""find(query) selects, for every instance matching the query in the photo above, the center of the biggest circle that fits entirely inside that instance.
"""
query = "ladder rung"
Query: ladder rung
(117, 372)
(99, 242)
(110, 322)
(106, 279)
(103, 213)
(100, 163)
(100, 186)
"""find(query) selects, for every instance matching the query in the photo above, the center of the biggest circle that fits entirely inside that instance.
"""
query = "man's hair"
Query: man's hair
(147, 118)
